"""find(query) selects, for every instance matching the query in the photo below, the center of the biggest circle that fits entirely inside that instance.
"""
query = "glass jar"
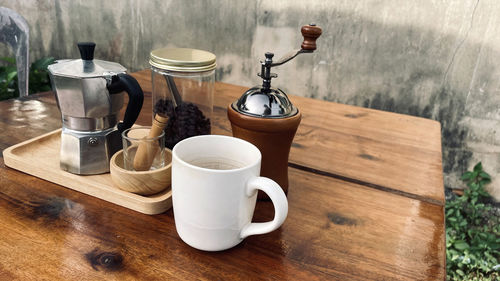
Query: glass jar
(183, 89)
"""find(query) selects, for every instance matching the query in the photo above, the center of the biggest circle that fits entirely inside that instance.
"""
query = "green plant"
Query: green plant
(472, 232)
(8, 73)
(38, 77)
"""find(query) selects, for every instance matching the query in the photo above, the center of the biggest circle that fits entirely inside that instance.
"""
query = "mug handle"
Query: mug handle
(275, 192)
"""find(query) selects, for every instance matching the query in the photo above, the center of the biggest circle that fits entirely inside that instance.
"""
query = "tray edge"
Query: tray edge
(153, 207)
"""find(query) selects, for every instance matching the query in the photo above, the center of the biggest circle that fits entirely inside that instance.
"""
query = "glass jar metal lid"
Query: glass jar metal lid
(182, 59)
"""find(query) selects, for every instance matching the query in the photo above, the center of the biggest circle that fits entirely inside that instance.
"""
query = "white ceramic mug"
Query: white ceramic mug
(215, 180)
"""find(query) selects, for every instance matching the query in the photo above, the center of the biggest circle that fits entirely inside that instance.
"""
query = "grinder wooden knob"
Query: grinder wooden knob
(310, 33)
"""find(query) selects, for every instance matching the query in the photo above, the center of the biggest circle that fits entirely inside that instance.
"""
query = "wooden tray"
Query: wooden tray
(40, 157)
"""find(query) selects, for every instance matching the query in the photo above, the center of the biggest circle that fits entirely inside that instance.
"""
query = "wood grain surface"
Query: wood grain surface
(382, 221)
(334, 231)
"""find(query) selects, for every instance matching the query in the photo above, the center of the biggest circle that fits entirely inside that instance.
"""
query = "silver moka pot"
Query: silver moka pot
(90, 94)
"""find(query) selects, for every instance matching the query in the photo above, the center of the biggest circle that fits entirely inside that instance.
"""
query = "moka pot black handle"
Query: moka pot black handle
(127, 83)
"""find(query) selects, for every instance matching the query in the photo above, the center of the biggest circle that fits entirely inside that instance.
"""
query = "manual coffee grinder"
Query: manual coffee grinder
(264, 115)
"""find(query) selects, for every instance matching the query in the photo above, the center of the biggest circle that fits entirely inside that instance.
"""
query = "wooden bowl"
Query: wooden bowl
(142, 182)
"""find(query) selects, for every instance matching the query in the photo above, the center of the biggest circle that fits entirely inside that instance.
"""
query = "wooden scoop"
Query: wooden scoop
(147, 150)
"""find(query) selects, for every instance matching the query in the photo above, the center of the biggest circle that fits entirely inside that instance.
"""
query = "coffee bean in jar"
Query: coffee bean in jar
(184, 121)
(183, 86)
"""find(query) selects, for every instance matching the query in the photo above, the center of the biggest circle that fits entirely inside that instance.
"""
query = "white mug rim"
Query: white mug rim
(227, 171)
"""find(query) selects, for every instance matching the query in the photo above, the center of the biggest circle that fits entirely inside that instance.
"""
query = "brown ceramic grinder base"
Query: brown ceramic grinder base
(273, 137)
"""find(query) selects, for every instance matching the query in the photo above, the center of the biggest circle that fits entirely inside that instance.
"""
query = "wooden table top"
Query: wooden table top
(365, 198)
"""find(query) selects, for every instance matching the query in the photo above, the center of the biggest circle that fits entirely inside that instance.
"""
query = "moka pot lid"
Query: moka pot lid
(87, 66)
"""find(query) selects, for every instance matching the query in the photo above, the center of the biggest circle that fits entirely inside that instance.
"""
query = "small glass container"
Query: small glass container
(183, 89)
(152, 155)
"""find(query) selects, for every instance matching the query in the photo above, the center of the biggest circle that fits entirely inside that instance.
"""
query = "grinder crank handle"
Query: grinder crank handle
(310, 33)
(128, 84)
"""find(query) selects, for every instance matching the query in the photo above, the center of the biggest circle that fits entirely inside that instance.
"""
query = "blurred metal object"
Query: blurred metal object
(14, 31)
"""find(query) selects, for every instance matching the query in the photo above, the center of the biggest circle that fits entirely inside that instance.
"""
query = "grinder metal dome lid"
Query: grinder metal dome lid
(182, 59)
(268, 102)
(265, 103)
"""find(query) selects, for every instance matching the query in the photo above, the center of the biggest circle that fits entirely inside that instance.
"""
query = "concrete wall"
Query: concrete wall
(431, 58)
